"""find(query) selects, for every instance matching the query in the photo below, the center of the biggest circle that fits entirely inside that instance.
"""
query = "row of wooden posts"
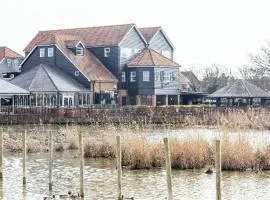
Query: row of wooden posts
(119, 164)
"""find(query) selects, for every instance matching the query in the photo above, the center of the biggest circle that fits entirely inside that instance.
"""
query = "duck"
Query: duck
(127, 198)
(209, 171)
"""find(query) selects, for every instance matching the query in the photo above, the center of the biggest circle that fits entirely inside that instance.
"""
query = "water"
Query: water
(100, 180)
(101, 176)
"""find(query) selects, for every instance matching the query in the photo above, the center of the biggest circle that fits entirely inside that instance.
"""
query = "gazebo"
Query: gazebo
(240, 92)
(10, 93)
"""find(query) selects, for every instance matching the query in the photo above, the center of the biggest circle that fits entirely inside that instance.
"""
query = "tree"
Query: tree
(258, 69)
(214, 78)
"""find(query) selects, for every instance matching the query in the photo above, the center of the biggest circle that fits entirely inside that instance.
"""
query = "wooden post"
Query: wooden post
(1, 153)
(50, 159)
(168, 168)
(218, 170)
(81, 165)
(24, 157)
(119, 167)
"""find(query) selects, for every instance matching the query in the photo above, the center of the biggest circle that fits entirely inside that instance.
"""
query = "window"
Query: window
(132, 76)
(107, 52)
(79, 51)
(126, 52)
(136, 50)
(172, 76)
(76, 73)
(157, 76)
(123, 76)
(50, 52)
(162, 76)
(16, 62)
(146, 76)
(166, 53)
(42, 52)
(9, 62)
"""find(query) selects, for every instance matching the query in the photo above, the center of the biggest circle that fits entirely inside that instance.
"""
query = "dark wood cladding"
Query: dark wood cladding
(58, 60)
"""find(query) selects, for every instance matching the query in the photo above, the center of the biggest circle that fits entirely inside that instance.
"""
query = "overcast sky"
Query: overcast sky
(203, 31)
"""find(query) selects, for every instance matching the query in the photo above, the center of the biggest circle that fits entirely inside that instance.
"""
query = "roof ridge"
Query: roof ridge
(244, 84)
(43, 66)
(64, 29)
(151, 56)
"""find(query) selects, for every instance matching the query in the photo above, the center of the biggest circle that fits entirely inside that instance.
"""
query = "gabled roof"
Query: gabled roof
(88, 64)
(6, 52)
(149, 57)
(150, 32)
(92, 36)
(44, 78)
(240, 88)
(7, 88)
(183, 78)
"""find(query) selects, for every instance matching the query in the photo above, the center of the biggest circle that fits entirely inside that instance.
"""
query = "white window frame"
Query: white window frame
(166, 53)
(76, 73)
(42, 52)
(133, 76)
(157, 76)
(146, 76)
(9, 62)
(107, 52)
(16, 62)
(79, 51)
(50, 51)
(123, 77)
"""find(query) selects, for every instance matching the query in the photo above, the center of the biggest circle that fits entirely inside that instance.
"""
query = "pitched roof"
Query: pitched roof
(240, 88)
(184, 79)
(92, 36)
(149, 32)
(44, 78)
(88, 64)
(7, 88)
(6, 52)
(149, 57)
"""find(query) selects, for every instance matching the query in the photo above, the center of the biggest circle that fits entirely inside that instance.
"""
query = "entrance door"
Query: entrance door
(68, 100)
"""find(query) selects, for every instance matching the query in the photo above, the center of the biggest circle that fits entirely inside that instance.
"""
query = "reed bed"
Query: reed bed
(140, 153)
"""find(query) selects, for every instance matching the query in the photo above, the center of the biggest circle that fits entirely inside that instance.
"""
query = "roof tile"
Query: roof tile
(149, 57)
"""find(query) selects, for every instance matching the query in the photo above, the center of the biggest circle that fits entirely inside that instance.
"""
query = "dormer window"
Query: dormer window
(107, 52)
(79, 51)
(9, 62)
(50, 52)
(42, 52)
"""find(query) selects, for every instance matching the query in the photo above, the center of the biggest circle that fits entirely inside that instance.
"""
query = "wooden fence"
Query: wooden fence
(118, 166)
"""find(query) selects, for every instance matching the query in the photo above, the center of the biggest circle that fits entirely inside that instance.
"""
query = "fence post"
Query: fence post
(50, 159)
(119, 166)
(1, 153)
(218, 170)
(24, 157)
(81, 165)
(168, 168)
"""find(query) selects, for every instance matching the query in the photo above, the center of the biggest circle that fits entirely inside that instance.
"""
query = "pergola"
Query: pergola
(240, 92)
(9, 93)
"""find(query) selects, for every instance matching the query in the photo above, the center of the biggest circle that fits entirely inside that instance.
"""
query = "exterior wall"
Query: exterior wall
(141, 87)
(159, 44)
(111, 62)
(58, 60)
(166, 86)
(132, 41)
(6, 69)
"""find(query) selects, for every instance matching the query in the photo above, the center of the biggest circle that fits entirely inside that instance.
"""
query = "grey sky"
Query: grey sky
(203, 31)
